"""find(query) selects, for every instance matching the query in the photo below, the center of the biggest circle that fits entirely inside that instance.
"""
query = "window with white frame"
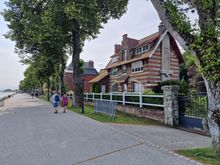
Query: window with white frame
(142, 49)
(136, 87)
(114, 59)
(137, 66)
(124, 69)
(114, 71)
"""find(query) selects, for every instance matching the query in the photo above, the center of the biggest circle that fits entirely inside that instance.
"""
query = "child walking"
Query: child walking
(64, 102)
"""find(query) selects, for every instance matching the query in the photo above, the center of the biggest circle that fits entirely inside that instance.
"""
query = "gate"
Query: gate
(192, 110)
(107, 107)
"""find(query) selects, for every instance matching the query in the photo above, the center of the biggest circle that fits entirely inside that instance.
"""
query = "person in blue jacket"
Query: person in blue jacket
(55, 101)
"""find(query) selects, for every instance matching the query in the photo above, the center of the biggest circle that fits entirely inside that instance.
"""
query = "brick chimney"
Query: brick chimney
(161, 28)
(125, 36)
(117, 48)
(89, 64)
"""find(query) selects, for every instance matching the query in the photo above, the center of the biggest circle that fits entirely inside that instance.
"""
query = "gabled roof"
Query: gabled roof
(149, 39)
(135, 58)
(103, 73)
(122, 79)
(136, 43)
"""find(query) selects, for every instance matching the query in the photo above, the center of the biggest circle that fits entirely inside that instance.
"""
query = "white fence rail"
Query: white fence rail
(127, 98)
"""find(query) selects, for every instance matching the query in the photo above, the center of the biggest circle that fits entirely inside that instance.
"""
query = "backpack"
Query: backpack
(57, 98)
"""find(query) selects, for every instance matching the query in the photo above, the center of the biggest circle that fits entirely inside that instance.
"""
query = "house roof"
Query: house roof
(103, 73)
(87, 71)
(149, 39)
(90, 71)
(122, 79)
(135, 58)
(136, 43)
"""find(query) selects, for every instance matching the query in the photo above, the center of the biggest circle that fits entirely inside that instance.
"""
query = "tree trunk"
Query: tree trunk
(213, 91)
(77, 75)
(41, 88)
(57, 84)
(63, 65)
(48, 90)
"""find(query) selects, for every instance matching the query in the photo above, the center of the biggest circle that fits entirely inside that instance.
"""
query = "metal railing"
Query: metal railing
(128, 98)
(195, 106)
(107, 107)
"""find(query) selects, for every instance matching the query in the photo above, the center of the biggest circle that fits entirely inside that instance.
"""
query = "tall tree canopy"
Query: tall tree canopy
(59, 24)
(80, 20)
(203, 40)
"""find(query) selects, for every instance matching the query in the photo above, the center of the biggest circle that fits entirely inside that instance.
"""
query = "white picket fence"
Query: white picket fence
(124, 96)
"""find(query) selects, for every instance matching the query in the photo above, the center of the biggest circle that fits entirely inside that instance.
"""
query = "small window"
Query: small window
(137, 66)
(115, 88)
(136, 87)
(114, 59)
(124, 69)
(124, 55)
(114, 71)
(125, 87)
(142, 49)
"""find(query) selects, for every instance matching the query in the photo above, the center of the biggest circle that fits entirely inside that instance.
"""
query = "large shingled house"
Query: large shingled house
(141, 64)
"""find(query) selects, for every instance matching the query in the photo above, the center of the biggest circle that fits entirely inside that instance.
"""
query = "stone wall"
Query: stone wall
(140, 112)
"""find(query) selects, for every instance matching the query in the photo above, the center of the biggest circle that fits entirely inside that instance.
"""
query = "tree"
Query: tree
(79, 20)
(34, 37)
(202, 39)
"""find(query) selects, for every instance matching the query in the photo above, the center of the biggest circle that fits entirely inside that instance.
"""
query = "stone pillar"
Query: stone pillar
(170, 94)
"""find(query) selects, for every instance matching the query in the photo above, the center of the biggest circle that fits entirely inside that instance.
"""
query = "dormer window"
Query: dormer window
(124, 55)
(142, 49)
(114, 59)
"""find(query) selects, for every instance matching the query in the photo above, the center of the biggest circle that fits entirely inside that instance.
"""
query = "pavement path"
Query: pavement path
(30, 134)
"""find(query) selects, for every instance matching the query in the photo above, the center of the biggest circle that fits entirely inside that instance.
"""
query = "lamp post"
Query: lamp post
(83, 80)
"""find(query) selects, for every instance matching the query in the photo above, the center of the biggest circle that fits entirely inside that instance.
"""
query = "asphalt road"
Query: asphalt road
(31, 134)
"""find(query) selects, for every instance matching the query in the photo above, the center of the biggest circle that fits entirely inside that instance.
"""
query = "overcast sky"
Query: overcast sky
(139, 21)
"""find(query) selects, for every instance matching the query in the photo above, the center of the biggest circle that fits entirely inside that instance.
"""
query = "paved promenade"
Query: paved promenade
(30, 134)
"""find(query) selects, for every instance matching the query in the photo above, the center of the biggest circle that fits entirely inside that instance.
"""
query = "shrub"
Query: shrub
(183, 86)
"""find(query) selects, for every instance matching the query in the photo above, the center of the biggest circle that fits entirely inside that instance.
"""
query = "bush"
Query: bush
(183, 86)
(96, 88)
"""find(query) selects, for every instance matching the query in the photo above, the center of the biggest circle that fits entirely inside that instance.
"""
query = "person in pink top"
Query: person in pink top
(64, 102)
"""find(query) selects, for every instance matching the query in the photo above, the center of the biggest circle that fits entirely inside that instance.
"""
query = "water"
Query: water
(3, 94)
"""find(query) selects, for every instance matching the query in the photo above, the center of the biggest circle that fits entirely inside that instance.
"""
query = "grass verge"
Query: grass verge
(120, 118)
(203, 155)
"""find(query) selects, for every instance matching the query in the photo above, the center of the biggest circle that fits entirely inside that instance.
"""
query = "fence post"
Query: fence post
(101, 96)
(111, 96)
(93, 96)
(140, 99)
(170, 96)
(123, 98)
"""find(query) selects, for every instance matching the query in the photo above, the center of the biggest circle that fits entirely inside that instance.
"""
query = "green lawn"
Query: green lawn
(204, 155)
(120, 117)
